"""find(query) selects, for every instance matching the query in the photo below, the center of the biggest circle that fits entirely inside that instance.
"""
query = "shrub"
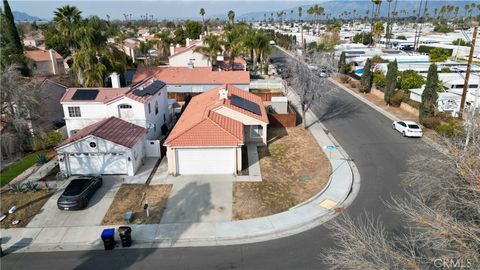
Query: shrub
(344, 79)
(439, 55)
(379, 79)
(449, 129)
(53, 138)
(396, 99)
(42, 158)
(410, 79)
(353, 84)
(445, 70)
(402, 37)
(431, 121)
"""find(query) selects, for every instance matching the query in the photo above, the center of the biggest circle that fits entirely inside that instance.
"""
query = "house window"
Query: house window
(256, 131)
(93, 144)
(74, 111)
(125, 106)
(149, 108)
(156, 107)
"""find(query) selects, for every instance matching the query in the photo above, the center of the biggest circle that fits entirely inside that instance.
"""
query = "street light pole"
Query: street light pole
(467, 74)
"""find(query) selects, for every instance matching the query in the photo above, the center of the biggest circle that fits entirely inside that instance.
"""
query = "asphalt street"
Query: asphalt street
(380, 154)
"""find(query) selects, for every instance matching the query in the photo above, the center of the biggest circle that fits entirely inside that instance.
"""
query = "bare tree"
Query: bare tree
(440, 212)
(19, 103)
(309, 80)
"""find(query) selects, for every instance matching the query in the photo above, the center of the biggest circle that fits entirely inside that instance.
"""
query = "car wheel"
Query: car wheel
(404, 135)
(393, 126)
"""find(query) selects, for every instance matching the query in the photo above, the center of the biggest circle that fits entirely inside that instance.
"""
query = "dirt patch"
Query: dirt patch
(131, 197)
(294, 168)
(28, 205)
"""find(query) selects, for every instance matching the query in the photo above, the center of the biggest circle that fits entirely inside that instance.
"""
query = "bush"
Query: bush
(410, 79)
(379, 79)
(449, 129)
(431, 121)
(42, 158)
(397, 99)
(53, 138)
(344, 79)
(353, 84)
(445, 70)
(439, 55)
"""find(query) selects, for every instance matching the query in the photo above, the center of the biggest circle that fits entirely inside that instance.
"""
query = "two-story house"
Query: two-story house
(144, 104)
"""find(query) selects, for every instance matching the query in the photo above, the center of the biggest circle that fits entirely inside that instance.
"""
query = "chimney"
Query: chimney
(223, 93)
(115, 80)
(187, 42)
(172, 49)
(53, 60)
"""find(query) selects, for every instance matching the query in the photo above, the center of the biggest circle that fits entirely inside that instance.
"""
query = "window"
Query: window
(125, 106)
(149, 108)
(256, 131)
(93, 144)
(74, 111)
(156, 107)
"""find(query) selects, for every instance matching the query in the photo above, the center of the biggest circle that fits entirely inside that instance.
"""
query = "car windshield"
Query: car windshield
(413, 126)
(76, 187)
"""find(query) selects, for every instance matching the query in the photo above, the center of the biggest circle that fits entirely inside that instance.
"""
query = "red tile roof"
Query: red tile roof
(200, 125)
(41, 55)
(198, 75)
(106, 95)
(192, 45)
(111, 129)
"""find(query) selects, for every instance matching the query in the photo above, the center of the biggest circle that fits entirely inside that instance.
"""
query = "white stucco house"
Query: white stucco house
(109, 146)
(144, 104)
(185, 56)
(210, 133)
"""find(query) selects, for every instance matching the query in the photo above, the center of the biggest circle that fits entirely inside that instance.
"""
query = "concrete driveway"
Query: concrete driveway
(199, 198)
(51, 216)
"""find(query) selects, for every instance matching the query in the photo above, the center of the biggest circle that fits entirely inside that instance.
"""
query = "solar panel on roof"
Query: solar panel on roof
(85, 94)
(245, 104)
(149, 90)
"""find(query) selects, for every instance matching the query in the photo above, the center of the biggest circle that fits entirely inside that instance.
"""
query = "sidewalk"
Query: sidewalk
(340, 191)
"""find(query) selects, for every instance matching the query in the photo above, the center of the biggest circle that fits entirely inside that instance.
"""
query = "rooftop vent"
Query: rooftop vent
(223, 94)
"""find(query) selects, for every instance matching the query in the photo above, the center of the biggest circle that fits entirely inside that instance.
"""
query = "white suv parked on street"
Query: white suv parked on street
(408, 128)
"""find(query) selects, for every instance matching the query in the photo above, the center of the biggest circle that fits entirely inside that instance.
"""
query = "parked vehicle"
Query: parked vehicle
(79, 192)
(408, 128)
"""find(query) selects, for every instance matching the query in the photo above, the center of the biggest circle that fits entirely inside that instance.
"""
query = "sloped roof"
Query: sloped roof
(197, 75)
(111, 129)
(179, 50)
(106, 95)
(200, 125)
(41, 55)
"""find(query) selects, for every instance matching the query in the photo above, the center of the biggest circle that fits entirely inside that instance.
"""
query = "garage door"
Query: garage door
(206, 161)
(98, 163)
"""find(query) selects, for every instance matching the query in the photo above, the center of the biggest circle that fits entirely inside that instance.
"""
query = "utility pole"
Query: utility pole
(467, 74)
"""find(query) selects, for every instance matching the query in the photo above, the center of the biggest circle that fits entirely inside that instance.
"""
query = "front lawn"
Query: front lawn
(294, 169)
(18, 167)
(131, 197)
(28, 204)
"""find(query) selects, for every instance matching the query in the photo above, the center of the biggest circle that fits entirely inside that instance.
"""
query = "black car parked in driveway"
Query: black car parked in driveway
(79, 192)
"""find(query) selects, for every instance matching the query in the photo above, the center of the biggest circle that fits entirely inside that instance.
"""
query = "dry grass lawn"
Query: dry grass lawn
(131, 197)
(28, 204)
(294, 168)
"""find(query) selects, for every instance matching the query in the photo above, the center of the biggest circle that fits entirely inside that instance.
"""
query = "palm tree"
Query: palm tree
(164, 42)
(66, 18)
(144, 48)
(301, 24)
(202, 13)
(232, 38)
(231, 16)
(213, 46)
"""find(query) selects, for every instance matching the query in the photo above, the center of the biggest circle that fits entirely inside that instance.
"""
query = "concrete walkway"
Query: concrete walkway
(340, 191)
(254, 172)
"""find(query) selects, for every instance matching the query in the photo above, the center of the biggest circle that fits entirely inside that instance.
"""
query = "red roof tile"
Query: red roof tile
(198, 75)
(200, 125)
(192, 45)
(41, 55)
(111, 129)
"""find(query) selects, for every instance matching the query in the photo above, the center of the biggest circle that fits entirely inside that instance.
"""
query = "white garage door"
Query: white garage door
(98, 163)
(206, 161)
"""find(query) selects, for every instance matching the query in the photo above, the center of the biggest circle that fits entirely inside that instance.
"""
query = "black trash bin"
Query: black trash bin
(108, 237)
(125, 233)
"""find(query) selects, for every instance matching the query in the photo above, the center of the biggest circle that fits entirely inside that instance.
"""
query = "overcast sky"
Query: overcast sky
(157, 8)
